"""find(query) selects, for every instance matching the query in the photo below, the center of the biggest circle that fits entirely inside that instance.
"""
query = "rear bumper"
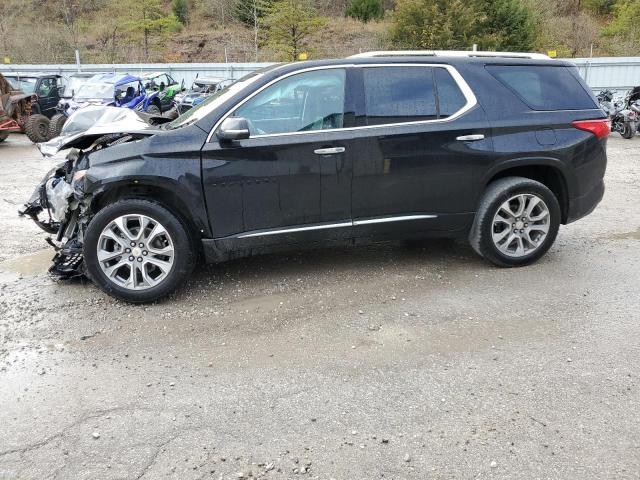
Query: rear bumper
(582, 206)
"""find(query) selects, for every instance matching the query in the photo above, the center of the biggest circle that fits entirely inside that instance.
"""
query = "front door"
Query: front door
(290, 181)
(415, 157)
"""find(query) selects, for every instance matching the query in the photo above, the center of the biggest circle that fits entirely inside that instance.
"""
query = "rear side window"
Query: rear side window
(544, 87)
(450, 97)
(399, 94)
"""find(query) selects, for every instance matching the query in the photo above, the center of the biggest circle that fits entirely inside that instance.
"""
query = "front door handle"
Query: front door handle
(470, 138)
(329, 151)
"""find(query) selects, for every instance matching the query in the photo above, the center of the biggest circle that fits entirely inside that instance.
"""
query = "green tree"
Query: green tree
(181, 10)
(290, 27)
(624, 26)
(365, 10)
(250, 12)
(151, 23)
(434, 24)
(508, 26)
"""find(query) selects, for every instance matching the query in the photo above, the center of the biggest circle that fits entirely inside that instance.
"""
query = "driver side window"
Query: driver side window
(302, 102)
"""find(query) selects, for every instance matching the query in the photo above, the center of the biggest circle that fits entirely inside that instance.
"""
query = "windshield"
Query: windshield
(214, 101)
(73, 85)
(26, 84)
(95, 90)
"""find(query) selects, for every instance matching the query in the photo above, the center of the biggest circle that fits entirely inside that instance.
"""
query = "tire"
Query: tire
(153, 109)
(56, 123)
(183, 253)
(37, 128)
(628, 130)
(489, 226)
(3, 136)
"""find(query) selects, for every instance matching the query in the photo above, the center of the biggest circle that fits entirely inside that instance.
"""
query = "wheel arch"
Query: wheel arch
(166, 195)
(549, 172)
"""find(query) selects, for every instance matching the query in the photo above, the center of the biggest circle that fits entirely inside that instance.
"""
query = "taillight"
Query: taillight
(600, 128)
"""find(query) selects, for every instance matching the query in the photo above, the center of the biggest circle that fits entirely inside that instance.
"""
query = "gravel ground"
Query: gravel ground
(378, 362)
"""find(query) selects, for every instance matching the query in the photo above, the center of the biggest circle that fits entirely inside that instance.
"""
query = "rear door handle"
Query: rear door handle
(329, 151)
(470, 138)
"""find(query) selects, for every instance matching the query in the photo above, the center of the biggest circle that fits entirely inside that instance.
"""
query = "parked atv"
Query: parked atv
(17, 113)
(109, 89)
(165, 85)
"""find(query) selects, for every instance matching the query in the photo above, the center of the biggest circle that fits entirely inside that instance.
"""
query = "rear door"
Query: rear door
(290, 181)
(413, 161)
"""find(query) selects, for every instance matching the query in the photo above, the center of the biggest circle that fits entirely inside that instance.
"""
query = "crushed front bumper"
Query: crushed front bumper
(58, 207)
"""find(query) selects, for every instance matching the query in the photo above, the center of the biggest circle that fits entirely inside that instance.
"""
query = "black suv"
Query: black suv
(498, 148)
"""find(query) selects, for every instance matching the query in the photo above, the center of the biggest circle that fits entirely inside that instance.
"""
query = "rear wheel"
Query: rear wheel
(627, 130)
(138, 251)
(3, 136)
(56, 124)
(516, 223)
(37, 128)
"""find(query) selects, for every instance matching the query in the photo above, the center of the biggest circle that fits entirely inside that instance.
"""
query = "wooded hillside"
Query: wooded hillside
(123, 31)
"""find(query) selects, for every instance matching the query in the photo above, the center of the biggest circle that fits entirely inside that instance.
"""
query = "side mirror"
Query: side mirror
(233, 128)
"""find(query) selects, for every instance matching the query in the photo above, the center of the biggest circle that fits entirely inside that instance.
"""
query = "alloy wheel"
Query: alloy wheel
(521, 225)
(135, 252)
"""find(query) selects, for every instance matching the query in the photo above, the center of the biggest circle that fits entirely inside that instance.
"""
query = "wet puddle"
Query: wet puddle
(29, 265)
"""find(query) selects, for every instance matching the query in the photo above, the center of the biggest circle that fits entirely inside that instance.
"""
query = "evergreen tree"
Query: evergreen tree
(290, 26)
(435, 24)
(181, 11)
(508, 26)
(365, 10)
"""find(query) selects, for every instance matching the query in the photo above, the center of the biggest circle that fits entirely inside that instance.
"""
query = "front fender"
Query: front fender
(130, 170)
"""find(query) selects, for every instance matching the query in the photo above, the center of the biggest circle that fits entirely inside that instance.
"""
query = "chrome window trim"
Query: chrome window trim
(472, 101)
(351, 223)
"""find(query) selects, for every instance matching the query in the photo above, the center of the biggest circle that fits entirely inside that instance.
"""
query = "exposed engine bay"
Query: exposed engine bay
(61, 204)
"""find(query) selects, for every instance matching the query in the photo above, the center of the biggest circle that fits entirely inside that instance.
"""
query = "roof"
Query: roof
(205, 79)
(30, 74)
(419, 57)
(450, 53)
(152, 74)
(114, 78)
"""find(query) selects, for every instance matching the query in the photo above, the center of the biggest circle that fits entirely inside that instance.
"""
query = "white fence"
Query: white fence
(179, 71)
(617, 73)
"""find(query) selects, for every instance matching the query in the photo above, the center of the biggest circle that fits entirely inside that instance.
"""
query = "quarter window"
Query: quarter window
(399, 94)
(450, 97)
(303, 102)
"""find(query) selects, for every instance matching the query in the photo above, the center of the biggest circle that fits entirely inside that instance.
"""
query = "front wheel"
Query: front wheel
(138, 251)
(516, 223)
(3, 136)
(37, 128)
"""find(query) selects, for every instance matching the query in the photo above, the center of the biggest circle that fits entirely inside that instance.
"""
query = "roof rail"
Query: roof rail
(449, 53)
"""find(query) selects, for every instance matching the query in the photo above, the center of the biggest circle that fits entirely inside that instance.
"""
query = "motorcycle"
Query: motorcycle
(623, 120)
(632, 102)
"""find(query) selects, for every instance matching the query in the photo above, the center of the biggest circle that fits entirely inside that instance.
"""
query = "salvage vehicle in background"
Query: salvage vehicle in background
(17, 113)
(110, 89)
(165, 85)
(72, 85)
(201, 88)
(623, 119)
(500, 149)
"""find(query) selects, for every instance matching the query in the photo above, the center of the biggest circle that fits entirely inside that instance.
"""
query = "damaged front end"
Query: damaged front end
(61, 204)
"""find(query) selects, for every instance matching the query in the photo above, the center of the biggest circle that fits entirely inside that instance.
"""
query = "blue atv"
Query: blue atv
(108, 89)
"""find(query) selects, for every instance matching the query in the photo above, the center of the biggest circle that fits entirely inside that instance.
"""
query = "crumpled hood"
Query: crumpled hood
(92, 122)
